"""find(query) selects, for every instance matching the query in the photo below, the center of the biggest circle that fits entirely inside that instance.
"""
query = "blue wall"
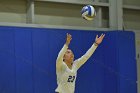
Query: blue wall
(28, 57)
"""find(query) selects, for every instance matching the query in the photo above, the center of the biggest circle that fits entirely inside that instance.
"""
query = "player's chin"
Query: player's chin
(71, 60)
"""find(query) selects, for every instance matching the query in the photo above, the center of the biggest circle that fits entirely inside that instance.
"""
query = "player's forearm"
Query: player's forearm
(86, 56)
(91, 51)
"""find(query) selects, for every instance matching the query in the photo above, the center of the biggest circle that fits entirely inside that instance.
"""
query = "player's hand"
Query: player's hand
(68, 39)
(99, 40)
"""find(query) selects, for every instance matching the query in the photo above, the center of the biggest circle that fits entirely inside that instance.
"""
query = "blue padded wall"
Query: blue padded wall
(7, 61)
(28, 58)
(23, 54)
(127, 62)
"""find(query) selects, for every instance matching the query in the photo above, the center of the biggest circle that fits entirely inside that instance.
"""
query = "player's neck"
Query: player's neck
(69, 65)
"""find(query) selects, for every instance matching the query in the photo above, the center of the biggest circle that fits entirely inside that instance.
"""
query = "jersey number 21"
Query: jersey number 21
(71, 78)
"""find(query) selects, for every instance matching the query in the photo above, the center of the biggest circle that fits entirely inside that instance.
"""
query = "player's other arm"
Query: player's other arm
(59, 61)
(79, 62)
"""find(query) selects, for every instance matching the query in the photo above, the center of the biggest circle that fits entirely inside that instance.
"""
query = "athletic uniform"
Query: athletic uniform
(66, 77)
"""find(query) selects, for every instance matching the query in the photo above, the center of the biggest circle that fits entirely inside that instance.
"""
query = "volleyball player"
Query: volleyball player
(66, 66)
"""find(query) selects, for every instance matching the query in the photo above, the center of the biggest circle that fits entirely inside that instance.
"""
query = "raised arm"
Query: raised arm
(79, 62)
(59, 61)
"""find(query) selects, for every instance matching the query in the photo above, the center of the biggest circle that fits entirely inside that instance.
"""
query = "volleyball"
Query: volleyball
(88, 12)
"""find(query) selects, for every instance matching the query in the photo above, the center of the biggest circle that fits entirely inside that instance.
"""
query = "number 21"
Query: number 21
(71, 78)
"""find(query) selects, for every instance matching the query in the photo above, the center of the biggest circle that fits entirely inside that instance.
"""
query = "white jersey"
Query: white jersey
(66, 77)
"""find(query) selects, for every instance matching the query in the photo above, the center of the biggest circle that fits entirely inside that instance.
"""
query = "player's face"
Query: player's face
(69, 56)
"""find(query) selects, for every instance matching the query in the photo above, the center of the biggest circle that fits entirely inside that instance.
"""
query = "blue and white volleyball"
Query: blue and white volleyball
(88, 12)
